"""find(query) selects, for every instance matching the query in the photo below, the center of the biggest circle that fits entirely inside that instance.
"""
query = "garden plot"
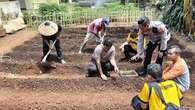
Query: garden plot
(23, 86)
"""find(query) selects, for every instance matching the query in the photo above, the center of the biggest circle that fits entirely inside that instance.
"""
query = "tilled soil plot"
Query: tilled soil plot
(27, 85)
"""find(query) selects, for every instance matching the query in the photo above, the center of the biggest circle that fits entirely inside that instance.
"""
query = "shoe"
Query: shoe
(80, 52)
(62, 61)
(87, 75)
(142, 74)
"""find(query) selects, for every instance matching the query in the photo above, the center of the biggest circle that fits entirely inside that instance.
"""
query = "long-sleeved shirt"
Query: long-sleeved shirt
(95, 26)
(161, 38)
(179, 72)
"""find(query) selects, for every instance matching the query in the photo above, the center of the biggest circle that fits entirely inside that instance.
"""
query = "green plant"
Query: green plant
(48, 9)
(177, 14)
(172, 13)
(26, 16)
(116, 6)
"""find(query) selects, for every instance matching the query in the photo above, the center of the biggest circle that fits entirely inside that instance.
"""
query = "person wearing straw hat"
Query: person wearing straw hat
(95, 32)
(50, 31)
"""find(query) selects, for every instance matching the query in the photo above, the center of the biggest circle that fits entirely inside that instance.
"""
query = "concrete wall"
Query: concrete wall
(4, 0)
(23, 4)
(10, 16)
(10, 9)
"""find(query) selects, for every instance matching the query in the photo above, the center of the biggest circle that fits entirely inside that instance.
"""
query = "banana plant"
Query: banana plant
(177, 14)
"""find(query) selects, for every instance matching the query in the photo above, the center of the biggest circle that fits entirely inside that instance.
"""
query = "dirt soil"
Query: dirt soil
(25, 85)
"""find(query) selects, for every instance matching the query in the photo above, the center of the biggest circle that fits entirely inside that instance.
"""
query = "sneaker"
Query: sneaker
(63, 62)
(80, 52)
(87, 75)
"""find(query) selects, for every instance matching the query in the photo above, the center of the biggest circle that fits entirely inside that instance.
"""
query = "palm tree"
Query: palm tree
(188, 16)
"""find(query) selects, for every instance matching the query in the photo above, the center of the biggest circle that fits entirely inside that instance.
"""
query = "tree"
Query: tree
(188, 16)
(177, 14)
(123, 2)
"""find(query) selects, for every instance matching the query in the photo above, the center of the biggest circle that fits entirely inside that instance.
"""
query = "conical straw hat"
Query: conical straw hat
(48, 28)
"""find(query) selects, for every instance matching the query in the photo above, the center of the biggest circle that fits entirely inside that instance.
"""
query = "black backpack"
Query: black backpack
(169, 106)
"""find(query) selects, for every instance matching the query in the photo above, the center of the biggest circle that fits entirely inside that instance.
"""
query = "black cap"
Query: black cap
(107, 42)
(143, 20)
(155, 70)
(155, 30)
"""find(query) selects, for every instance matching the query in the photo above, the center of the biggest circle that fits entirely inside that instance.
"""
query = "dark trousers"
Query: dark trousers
(57, 46)
(93, 69)
(129, 51)
(149, 51)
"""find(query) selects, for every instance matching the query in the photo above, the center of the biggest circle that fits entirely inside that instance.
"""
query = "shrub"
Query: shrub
(26, 16)
(45, 9)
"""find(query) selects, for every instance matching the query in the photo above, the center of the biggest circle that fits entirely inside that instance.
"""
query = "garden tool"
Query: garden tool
(50, 48)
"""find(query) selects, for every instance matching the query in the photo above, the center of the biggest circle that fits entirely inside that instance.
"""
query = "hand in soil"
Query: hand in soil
(104, 77)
